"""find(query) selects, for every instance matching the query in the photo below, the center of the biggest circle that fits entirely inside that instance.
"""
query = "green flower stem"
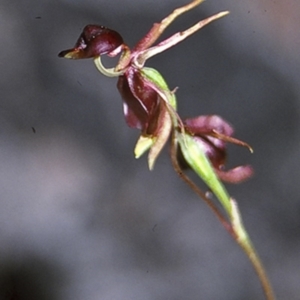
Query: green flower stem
(202, 166)
(198, 161)
(245, 243)
(196, 189)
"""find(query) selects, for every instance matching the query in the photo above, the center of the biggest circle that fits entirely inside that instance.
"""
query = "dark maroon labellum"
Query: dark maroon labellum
(95, 40)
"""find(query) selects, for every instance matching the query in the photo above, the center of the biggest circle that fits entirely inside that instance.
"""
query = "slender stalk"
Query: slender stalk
(111, 72)
(245, 243)
(259, 269)
(234, 227)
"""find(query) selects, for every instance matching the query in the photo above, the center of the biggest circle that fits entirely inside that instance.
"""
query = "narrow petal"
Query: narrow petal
(229, 139)
(215, 129)
(158, 28)
(162, 134)
(142, 56)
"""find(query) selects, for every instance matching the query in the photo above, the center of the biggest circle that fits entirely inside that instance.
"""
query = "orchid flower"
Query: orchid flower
(150, 106)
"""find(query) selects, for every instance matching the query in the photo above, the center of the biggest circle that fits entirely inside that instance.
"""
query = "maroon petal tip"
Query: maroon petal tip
(71, 53)
(236, 175)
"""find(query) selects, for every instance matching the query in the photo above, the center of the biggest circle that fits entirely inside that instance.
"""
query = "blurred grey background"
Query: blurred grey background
(80, 218)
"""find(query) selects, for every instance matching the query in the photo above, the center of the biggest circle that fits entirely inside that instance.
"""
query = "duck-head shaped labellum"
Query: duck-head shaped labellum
(95, 40)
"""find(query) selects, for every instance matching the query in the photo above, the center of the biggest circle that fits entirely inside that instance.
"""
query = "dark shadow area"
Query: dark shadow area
(30, 278)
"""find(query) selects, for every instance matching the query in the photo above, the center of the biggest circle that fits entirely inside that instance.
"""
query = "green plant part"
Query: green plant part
(149, 105)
